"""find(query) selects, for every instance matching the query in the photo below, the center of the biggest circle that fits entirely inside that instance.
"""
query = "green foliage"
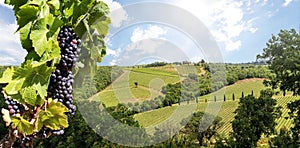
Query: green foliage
(201, 127)
(282, 140)
(39, 22)
(22, 125)
(240, 72)
(54, 117)
(294, 113)
(105, 75)
(254, 117)
(282, 54)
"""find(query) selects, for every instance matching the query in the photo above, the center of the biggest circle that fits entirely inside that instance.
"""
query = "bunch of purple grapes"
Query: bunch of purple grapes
(42, 134)
(13, 106)
(68, 43)
(62, 79)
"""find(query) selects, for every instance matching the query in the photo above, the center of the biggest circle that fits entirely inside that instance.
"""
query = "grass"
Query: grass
(123, 88)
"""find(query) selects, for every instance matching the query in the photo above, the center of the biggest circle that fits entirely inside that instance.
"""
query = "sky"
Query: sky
(143, 31)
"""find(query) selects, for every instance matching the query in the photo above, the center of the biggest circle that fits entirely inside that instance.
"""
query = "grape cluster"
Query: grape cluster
(27, 142)
(68, 43)
(60, 88)
(13, 106)
(58, 132)
(42, 134)
(62, 79)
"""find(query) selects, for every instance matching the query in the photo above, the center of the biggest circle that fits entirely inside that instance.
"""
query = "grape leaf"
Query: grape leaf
(38, 36)
(54, 117)
(14, 86)
(7, 75)
(36, 75)
(55, 25)
(37, 2)
(26, 14)
(6, 116)
(24, 37)
(29, 95)
(53, 54)
(98, 13)
(22, 125)
(54, 3)
(81, 9)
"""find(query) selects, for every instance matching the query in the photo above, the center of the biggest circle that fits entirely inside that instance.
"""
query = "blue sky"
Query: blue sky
(240, 29)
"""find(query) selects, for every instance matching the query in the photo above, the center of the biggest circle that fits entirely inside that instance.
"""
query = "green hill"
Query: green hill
(226, 109)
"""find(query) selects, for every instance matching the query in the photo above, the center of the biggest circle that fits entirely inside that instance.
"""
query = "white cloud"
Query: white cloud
(114, 53)
(224, 18)
(153, 31)
(233, 45)
(117, 13)
(253, 30)
(286, 3)
(10, 46)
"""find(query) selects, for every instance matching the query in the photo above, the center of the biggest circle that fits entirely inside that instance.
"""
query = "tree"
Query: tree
(294, 114)
(201, 127)
(47, 29)
(136, 84)
(282, 140)
(283, 56)
(254, 117)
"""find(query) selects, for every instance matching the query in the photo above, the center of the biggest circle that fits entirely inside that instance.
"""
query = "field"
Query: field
(123, 89)
(224, 109)
(151, 80)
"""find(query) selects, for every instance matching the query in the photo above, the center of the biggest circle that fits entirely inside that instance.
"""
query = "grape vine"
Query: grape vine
(39, 93)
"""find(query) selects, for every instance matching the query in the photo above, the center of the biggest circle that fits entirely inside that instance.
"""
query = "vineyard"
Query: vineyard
(227, 108)
(59, 96)
(123, 89)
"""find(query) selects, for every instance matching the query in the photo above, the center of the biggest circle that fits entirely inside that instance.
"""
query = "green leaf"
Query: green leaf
(39, 36)
(55, 25)
(26, 14)
(37, 2)
(41, 90)
(98, 13)
(22, 125)
(54, 117)
(7, 75)
(24, 37)
(81, 9)
(14, 86)
(54, 3)
(29, 94)
(36, 75)
(102, 26)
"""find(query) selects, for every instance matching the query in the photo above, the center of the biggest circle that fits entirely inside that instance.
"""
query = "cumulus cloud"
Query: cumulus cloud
(117, 13)
(286, 3)
(153, 31)
(11, 52)
(224, 18)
